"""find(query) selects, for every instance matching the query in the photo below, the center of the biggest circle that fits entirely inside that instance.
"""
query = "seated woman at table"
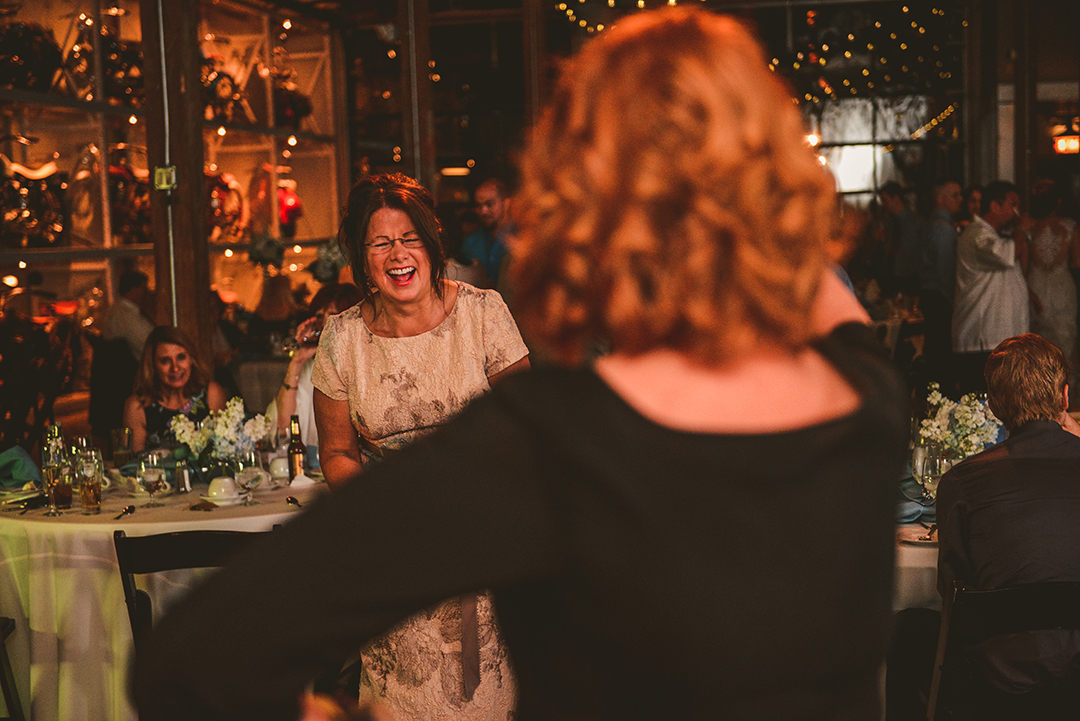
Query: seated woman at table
(653, 525)
(171, 381)
(295, 395)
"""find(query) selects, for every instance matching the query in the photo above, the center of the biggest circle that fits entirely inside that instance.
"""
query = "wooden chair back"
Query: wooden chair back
(971, 616)
(7, 677)
(138, 555)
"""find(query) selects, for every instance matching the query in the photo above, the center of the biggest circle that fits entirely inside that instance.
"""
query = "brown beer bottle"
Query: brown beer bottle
(297, 449)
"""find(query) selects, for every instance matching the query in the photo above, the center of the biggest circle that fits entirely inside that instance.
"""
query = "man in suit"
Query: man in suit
(1011, 515)
(1007, 516)
(991, 302)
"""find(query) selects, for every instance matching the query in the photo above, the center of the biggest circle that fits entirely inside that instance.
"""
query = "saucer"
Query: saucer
(225, 500)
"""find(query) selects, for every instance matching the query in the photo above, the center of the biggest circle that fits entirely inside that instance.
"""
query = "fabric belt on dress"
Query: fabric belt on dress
(470, 645)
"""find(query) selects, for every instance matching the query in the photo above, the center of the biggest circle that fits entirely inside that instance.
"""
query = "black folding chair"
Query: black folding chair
(960, 690)
(139, 555)
(7, 678)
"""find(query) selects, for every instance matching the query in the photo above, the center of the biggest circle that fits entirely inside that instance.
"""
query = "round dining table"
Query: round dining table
(915, 579)
(60, 581)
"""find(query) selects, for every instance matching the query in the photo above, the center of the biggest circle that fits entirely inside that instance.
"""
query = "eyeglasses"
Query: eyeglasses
(382, 246)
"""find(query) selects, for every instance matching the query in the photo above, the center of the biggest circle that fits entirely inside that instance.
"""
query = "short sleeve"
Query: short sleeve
(503, 345)
(995, 251)
(327, 374)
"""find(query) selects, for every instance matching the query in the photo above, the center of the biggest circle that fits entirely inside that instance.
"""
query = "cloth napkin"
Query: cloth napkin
(910, 506)
(17, 468)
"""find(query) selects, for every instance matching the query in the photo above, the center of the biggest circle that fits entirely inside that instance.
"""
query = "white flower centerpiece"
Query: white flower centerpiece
(221, 438)
(961, 429)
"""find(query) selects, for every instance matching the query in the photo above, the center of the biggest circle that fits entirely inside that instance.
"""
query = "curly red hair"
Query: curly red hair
(670, 198)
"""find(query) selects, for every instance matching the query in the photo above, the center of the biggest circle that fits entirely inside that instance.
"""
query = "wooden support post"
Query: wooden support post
(980, 92)
(1023, 103)
(414, 19)
(532, 26)
(181, 261)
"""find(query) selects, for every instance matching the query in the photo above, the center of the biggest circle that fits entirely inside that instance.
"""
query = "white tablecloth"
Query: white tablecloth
(60, 582)
(916, 571)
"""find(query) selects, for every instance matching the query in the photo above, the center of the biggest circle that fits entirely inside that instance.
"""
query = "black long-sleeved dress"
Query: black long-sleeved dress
(637, 571)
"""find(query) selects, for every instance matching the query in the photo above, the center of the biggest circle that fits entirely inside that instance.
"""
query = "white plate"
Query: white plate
(912, 535)
(225, 500)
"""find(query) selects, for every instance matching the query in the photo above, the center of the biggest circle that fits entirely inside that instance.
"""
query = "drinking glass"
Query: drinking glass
(121, 443)
(152, 478)
(249, 475)
(92, 473)
(927, 466)
(53, 477)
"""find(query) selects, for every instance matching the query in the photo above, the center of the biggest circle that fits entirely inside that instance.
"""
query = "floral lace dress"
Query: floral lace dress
(399, 389)
(1049, 278)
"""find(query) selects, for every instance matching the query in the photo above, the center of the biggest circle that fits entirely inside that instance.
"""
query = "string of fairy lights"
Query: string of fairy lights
(889, 49)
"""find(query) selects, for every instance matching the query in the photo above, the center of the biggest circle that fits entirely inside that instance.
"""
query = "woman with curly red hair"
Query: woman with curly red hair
(649, 523)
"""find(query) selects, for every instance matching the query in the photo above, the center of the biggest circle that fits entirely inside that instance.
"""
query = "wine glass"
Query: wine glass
(53, 476)
(927, 466)
(249, 476)
(152, 478)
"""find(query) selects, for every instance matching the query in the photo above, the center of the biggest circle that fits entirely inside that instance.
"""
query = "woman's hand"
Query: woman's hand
(304, 352)
(320, 707)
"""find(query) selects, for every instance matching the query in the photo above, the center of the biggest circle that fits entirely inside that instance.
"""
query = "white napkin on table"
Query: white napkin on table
(302, 481)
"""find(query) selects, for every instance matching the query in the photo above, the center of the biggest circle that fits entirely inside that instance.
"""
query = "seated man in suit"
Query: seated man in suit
(1011, 514)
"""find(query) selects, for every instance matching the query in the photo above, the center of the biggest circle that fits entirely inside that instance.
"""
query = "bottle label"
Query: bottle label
(296, 464)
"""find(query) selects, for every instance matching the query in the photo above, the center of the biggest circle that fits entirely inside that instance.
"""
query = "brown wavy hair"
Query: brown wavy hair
(400, 192)
(147, 386)
(670, 198)
(1025, 380)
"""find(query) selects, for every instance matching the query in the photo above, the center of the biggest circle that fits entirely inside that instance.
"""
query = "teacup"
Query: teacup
(279, 468)
(222, 487)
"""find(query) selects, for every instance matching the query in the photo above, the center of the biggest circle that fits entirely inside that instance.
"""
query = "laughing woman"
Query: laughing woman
(411, 355)
(171, 381)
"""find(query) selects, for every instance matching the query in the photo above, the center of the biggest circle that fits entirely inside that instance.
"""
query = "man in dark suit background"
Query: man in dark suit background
(1011, 514)
(1007, 516)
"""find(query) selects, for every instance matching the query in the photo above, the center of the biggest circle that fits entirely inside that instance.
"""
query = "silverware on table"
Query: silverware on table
(128, 510)
(291, 500)
(930, 531)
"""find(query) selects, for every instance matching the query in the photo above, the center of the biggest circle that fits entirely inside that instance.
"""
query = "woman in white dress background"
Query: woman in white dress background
(403, 361)
(1055, 247)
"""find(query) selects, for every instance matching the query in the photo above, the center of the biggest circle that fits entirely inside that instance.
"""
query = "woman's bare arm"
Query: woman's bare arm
(339, 448)
(135, 419)
(285, 400)
(216, 396)
(835, 305)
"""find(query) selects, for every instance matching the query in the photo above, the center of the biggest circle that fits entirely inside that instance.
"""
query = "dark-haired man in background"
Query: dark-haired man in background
(487, 243)
(991, 302)
(127, 319)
